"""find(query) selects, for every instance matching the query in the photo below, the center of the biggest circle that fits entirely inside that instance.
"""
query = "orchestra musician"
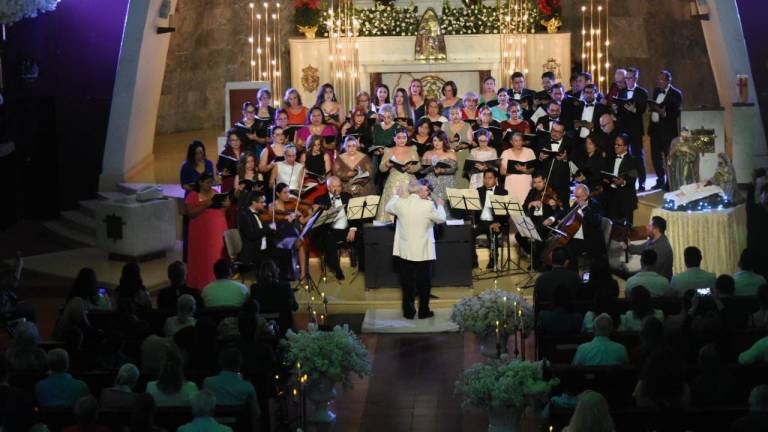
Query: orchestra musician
(585, 217)
(289, 215)
(487, 222)
(287, 171)
(256, 235)
(330, 236)
(543, 208)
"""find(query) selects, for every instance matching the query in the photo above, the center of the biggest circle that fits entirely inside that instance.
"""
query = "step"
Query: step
(112, 195)
(57, 227)
(79, 221)
(89, 207)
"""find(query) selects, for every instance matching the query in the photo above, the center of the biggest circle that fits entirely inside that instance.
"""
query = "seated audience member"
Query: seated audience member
(229, 388)
(185, 316)
(757, 353)
(600, 278)
(131, 290)
(651, 340)
(693, 277)
(606, 295)
(73, 318)
(659, 243)
(673, 324)
(561, 320)
(662, 383)
(714, 385)
(224, 291)
(153, 351)
(601, 351)
(732, 316)
(759, 319)
(171, 389)
(273, 294)
(121, 395)
(86, 415)
(757, 419)
(16, 406)
(24, 356)
(655, 283)
(747, 281)
(198, 345)
(143, 415)
(544, 290)
(641, 307)
(203, 405)
(592, 414)
(167, 297)
(59, 389)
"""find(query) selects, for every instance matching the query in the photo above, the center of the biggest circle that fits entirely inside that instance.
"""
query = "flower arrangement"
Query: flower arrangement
(479, 314)
(332, 354)
(549, 8)
(12, 11)
(307, 13)
(503, 384)
(383, 20)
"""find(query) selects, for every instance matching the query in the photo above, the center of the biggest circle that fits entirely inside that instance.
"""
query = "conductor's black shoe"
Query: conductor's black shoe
(657, 186)
(475, 265)
(409, 315)
(339, 275)
(427, 314)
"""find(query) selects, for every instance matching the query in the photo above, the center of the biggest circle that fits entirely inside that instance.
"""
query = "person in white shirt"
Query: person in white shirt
(414, 242)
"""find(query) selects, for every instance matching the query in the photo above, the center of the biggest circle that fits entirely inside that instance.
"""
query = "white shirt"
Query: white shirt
(586, 115)
(616, 165)
(659, 99)
(487, 213)
(289, 174)
(341, 218)
(580, 233)
(555, 145)
(630, 92)
(263, 238)
(516, 95)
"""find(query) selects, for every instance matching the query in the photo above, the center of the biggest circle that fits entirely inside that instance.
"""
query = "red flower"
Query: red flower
(544, 7)
(309, 4)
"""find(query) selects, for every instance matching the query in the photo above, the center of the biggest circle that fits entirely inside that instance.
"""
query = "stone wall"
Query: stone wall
(210, 47)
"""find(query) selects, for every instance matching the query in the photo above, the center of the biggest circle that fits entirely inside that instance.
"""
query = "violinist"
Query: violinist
(330, 236)
(288, 217)
(489, 223)
(544, 208)
(255, 234)
(588, 238)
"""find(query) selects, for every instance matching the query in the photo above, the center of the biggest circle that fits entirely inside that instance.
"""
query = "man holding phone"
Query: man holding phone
(693, 277)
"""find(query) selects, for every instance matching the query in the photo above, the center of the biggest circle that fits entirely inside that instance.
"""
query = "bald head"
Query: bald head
(606, 123)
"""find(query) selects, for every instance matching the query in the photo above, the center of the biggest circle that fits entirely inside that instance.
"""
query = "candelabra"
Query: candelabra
(515, 23)
(595, 42)
(265, 47)
(343, 28)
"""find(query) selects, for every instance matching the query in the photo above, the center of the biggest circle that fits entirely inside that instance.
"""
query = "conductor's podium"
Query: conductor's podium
(454, 245)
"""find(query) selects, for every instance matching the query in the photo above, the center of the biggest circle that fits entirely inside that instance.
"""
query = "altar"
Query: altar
(390, 60)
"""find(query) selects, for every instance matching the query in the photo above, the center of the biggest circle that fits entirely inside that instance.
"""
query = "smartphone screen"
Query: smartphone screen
(585, 277)
(704, 291)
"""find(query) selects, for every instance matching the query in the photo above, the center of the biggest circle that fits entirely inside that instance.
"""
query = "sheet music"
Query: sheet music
(363, 207)
(504, 205)
(464, 199)
(526, 227)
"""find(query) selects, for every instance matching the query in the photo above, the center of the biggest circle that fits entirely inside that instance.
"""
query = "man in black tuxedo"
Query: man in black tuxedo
(630, 112)
(587, 113)
(489, 223)
(255, 235)
(548, 79)
(553, 158)
(330, 236)
(521, 94)
(663, 127)
(621, 188)
(589, 238)
(568, 107)
(543, 211)
(544, 125)
(607, 134)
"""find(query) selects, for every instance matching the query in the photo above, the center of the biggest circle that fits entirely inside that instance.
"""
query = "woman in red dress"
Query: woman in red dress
(206, 232)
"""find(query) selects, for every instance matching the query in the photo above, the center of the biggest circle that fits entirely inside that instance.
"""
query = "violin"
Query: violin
(550, 194)
(300, 208)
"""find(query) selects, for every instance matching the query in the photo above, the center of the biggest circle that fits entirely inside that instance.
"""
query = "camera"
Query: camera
(703, 291)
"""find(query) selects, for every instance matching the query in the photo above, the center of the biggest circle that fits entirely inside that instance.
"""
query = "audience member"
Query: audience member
(185, 316)
(651, 340)
(693, 277)
(592, 414)
(662, 387)
(86, 415)
(641, 307)
(544, 290)
(59, 388)
(121, 395)
(258, 363)
(131, 291)
(600, 278)
(74, 316)
(16, 406)
(153, 351)
(23, 355)
(171, 389)
(167, 297)
(143, 415)
(561, 320)
(655, 283)
(274, 295)
(674, 325)
(203, 406)
(606, 296)
(732, 316)
(601, 351)
(659, 243)
(714, 385)
(759, 319)
(757, 419)
(229, 388)
(757, 353)
(224, 291)
(747, 281)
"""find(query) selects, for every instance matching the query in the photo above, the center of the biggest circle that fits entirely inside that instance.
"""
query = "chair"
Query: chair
(606, 225)
(234, 244)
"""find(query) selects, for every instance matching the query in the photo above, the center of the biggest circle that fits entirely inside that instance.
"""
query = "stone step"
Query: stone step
(61, 229)
(112, 195)
(88, 207)
(79, 221)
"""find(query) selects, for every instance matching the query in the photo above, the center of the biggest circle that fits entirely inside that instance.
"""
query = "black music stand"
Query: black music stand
(464, 199)
(527, 229)
(358, 208)
(322, 217)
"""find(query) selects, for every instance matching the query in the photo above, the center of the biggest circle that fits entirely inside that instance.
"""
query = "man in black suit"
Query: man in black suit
(560, 274)
(589, 238)
(255, 235)
(587, 114)
(629, 110)
(521, 94)
(332, 235)
(548, 79)
(489, 223)
(568, 107)
(544, 125)
(167, 297)
(607, 134)
(621, 188)
(543, 211)
(553, 159)
(663, 127)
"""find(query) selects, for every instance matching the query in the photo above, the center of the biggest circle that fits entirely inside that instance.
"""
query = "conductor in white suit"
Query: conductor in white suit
(415, 242)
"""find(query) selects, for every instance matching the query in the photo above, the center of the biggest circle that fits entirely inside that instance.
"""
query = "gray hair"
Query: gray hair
(758, 398)
(127, 375)
(414, 186)
(290, 148)
(58, 360)
(203, 403)
(603, 325)
(581, 186)
(470, 95)
(387, 108)
(331, 179)
(186, 305)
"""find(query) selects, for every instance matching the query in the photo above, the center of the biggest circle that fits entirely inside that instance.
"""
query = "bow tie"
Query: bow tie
(619, 157)
(590, 104)
(490, 189)
(335, 198)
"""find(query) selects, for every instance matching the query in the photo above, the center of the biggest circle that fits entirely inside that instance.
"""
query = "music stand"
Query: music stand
(527, 229)
(364, 207)
(464, 199)
(320, 218)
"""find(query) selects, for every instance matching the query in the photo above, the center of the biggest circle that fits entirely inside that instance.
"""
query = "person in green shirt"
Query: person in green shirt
(655, 283)
(747, 281)
(224, 291)
(601, 351)
(693, 277)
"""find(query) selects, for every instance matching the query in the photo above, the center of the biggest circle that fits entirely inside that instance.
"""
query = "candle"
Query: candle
(314, 316)
(505, 309)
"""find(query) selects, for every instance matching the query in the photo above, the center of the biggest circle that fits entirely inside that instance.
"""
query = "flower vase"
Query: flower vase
(489, 342)
(308, 31)
(321, 392)
(504, 420)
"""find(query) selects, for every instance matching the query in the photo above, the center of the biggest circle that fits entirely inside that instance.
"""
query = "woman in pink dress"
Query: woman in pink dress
(206, 232)
(518, 181)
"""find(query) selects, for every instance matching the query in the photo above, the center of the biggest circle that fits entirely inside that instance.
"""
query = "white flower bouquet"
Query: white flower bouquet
(479, 314)
(12, 11)
(504, 384)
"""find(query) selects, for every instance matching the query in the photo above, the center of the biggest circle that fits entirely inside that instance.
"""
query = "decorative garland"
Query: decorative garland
(12, 11)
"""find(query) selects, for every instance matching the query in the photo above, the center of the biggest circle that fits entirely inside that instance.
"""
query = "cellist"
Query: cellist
(583, 223)
(544, 208)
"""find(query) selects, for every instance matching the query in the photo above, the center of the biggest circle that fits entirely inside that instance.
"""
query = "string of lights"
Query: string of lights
(595, 42)
(265, 46)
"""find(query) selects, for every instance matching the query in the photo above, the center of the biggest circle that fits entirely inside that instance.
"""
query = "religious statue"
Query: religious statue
(552, 25)
(725, 177)
(683, 161)
(430, 43)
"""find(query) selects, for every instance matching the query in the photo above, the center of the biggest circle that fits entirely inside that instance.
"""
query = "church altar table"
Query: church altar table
(394, 55)
(720, 234)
